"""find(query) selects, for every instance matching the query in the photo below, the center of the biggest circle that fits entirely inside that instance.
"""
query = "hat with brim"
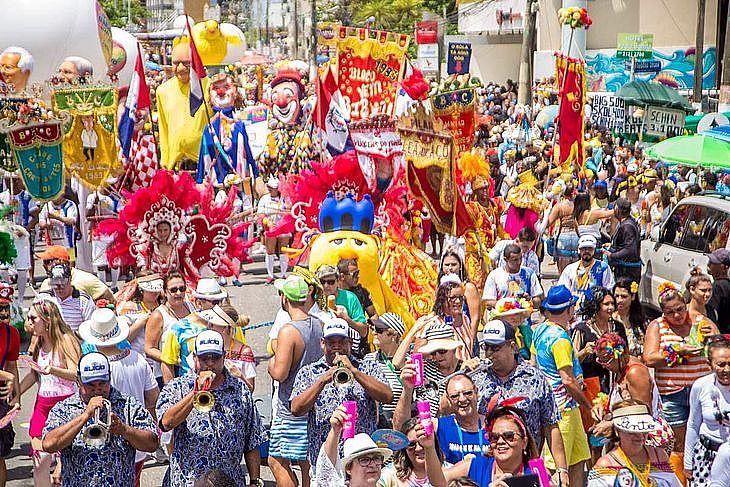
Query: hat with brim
(510, 307)
(217, 316)
(151, 284)
(634, 419)
(439, 337)
(559, 298)
(104, 329)
(208, 289)
(360, 445)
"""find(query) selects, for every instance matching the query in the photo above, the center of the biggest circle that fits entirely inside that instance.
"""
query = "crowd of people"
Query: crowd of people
(507, 374)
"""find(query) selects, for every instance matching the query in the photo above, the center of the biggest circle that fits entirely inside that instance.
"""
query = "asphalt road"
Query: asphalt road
(254, 298)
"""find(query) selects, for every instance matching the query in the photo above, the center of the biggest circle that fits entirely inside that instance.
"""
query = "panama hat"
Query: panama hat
(360, 445)
(104, 329)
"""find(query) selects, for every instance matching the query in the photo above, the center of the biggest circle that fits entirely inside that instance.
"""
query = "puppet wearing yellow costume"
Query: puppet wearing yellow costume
(484, 209)
(346, 227)
(180, 133)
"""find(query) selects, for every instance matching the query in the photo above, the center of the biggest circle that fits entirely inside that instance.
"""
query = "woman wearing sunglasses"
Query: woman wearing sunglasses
(708, 426)
(410, 467)
(631, 461)
(448, 308)
(672, 349)
(452, 263)
(632, 381)
(510, 449)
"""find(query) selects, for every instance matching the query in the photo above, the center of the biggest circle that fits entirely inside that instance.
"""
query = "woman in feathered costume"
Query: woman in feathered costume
(485, 210)
(175, 225)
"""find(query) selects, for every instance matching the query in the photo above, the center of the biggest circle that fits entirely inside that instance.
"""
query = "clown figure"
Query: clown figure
(226, 149)
(288, 149)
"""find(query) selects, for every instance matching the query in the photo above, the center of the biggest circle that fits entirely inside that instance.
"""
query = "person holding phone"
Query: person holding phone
(510, 449)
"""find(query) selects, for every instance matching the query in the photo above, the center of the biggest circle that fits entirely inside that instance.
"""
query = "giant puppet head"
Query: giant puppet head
(287, 92)
(346, 226)
(16, 66)
(222, 92)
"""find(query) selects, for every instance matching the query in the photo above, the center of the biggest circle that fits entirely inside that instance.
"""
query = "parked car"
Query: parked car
(696, 227)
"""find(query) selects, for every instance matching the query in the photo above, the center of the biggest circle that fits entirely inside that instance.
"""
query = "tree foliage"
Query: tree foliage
(392, 15)
(116, 11)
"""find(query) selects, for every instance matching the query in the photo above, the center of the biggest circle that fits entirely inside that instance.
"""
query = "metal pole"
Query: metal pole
(699, 53)
(313, 46)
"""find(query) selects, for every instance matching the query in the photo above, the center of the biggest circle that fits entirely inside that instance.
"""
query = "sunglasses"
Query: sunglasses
(178, 289)
(355, 274)
(508, 436)
(604, 361)
(456, 299)
(488, 347)
(328, 282)
(412, 445)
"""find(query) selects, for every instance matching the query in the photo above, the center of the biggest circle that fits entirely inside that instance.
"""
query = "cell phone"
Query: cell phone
(531, 480)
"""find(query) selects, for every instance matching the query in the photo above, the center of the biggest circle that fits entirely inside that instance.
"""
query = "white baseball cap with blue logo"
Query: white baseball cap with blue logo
(94, 366)
(209, 342)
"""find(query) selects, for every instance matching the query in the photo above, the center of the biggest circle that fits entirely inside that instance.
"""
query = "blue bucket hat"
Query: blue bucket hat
(559, 298)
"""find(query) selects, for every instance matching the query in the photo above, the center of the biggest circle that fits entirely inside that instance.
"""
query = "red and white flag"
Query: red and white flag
(329, 117)
(197, 73)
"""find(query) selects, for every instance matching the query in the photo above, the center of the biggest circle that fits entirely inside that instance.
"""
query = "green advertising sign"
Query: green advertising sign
(637, 46)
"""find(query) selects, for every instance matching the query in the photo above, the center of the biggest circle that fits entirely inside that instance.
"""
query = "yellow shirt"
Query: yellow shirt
(180, 134)
(83, 281)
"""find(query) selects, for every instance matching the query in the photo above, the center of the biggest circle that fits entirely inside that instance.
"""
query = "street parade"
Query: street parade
(361, 243)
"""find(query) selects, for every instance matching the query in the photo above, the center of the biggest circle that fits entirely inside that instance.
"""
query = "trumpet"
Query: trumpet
(342, 376)
(204, 400)
(96, 433)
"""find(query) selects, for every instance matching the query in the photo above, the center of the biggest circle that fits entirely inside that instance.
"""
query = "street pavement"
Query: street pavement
(256, 299)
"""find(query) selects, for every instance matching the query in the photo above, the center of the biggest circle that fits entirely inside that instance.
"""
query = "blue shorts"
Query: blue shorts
(288, 438)
(567, 246)
(676, 407)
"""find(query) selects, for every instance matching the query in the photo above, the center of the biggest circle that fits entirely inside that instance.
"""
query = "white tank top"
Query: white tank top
(168, 319)
(50, 385)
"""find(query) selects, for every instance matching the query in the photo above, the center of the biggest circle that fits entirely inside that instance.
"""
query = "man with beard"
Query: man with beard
(215, 439)
(588, 272)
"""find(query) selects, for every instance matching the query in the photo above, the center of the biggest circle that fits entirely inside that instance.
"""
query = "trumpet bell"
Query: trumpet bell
(343, 376)
(204, 401)
(95, 435)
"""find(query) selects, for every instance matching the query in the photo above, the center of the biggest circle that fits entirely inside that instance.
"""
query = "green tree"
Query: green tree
(392, 15)
(116, 11)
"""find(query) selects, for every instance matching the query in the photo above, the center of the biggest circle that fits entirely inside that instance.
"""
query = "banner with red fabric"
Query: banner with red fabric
(430, 174)
(456, 110)
(369, 65)
(572, 94)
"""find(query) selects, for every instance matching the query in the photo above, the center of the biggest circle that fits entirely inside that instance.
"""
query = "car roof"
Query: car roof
(708, 198)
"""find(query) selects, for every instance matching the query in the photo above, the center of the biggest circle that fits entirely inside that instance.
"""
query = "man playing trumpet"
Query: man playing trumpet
(214, 419)
(97, 430)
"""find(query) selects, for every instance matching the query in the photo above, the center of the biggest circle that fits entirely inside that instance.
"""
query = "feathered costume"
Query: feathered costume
(526, 204)
(199, 230)
(487, 228)
(396, 272)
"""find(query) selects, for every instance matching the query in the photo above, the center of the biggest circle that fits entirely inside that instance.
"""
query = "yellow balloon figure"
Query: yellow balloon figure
(346, 227)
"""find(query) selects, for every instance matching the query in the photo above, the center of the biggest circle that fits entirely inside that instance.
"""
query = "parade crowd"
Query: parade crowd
(568, 384)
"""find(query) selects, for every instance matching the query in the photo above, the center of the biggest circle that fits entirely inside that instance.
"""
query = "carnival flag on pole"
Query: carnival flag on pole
(330, 118)
(137, 99)
(197, 73)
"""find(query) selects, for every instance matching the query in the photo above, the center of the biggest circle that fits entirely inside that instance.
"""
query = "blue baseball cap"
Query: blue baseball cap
(94, 366)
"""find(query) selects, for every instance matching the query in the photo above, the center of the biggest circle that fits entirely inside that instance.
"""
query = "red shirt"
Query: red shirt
(13, 347)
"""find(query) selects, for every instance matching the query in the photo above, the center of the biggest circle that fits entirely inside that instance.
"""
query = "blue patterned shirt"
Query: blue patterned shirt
(539, 406)
(111, 465)
(214, 440)
(318, 424)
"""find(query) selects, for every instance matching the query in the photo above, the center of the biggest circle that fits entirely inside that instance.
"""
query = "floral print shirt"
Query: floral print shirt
(213, 440)
(112, 464)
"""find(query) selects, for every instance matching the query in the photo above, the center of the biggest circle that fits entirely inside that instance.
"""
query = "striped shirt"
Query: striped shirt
(680, 376)
(75, 309)
(393, 377)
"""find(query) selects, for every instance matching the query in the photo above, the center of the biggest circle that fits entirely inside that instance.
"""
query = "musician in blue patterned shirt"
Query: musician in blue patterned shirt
(215, 439)
(131, 428)
(316, 394)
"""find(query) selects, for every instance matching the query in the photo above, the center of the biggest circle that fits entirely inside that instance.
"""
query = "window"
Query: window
(673, 229)
(716, 230)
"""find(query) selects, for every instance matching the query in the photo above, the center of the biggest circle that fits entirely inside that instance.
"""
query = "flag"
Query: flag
(329, 117)
(138, 98)
(571, 81)
(197, 73)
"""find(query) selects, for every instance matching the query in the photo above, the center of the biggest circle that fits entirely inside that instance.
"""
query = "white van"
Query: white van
(696, 227)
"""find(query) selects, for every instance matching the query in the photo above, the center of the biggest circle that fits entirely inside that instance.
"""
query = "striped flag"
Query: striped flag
(197, 73)
(138, 98)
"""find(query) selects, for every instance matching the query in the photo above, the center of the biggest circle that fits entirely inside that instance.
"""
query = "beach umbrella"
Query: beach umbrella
(693, 150)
